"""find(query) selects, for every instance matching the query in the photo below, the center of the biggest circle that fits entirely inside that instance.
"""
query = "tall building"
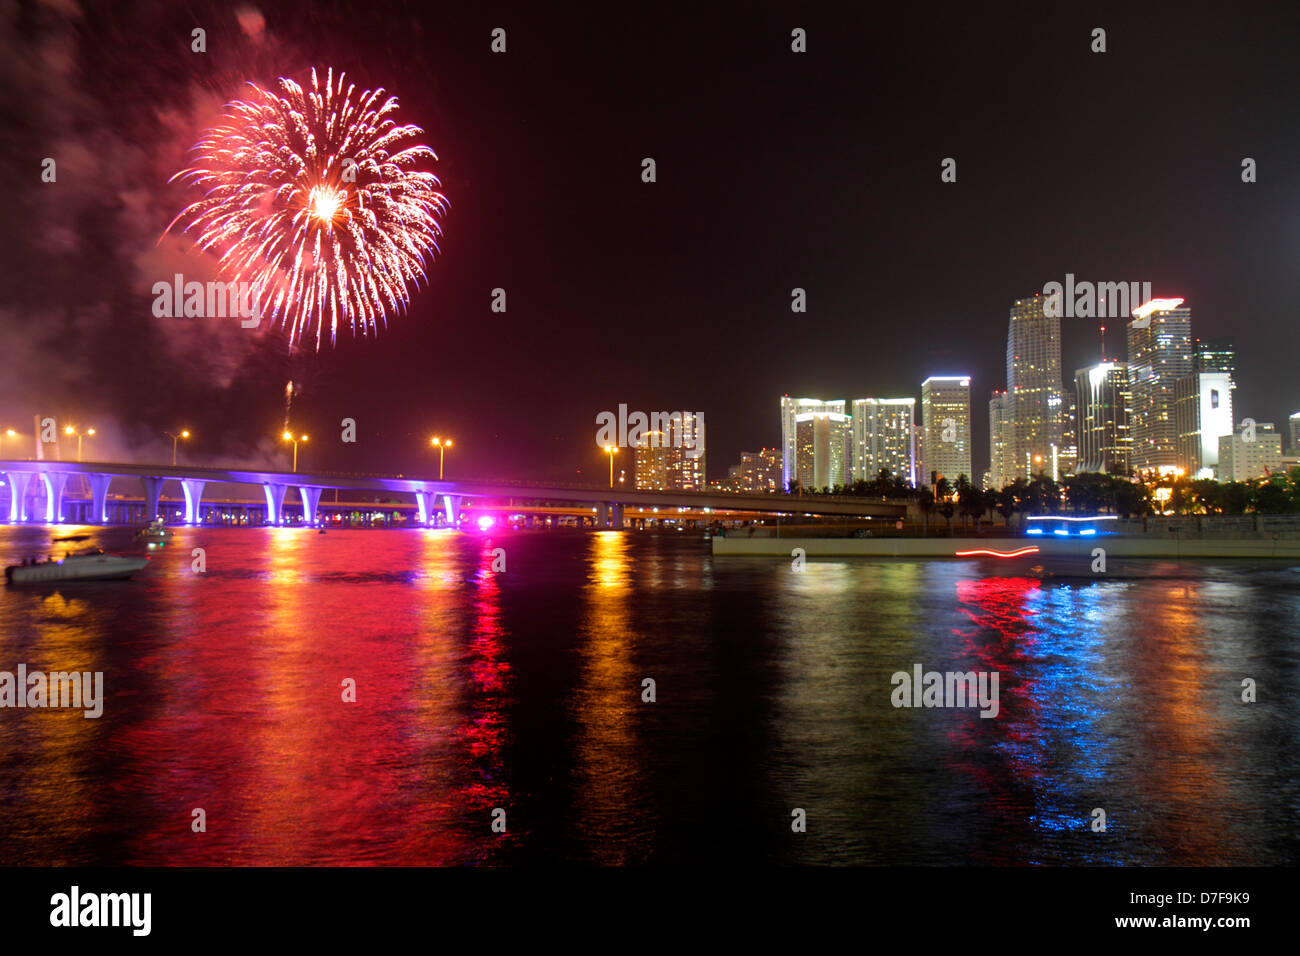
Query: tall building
(1242, 460)
(1214, 355)
(758, 472)
(945, 421)
(1102, 400)
(882, 438)
(1295, 433)
(1000, 472)
(1202, 413)
(1159, 353)
(823, 449)
(1035, 393)
(790, 408)
(672, 460)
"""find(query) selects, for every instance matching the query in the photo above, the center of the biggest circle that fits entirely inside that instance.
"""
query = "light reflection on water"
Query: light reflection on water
(522, 690)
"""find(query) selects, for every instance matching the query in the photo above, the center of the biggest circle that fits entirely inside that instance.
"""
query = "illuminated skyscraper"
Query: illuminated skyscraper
(882, 438)
(1202, 413)
(791, 407)
(945, 420)
(1102, 401)
(672, 460)
(1001, 473)
(1159, 353)
(1244, 456)
(758, 471)
(823, 448)
(1035, 394)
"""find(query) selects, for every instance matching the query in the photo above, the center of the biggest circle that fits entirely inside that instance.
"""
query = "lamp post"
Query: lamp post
(175, 439)
(11, 433)
(70, 430)
(442, 447)
(288, 436)
(611, 450)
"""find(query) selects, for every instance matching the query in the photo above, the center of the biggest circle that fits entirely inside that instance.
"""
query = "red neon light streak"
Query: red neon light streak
(999, 554)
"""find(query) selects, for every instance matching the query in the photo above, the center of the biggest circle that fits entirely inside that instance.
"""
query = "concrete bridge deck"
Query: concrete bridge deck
(426, 492)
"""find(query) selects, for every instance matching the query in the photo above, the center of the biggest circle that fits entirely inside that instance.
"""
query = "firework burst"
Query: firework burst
(314, 199)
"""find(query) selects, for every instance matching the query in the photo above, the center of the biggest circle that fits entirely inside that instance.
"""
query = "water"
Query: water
(523, 690)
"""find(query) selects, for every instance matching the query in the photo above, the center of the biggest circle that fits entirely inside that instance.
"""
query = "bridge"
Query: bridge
(435, 500)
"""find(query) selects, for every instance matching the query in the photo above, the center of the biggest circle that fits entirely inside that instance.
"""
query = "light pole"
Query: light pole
(175, 439)
(442, 447)
(70, 430)
(11, 433)
(611, 450)
(288, 436)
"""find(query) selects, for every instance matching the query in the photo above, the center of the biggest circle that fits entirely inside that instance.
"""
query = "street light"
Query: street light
(70, 430)
(442, 447)
(175, 439)
(611, 450)
(288, 436)
(11, 433)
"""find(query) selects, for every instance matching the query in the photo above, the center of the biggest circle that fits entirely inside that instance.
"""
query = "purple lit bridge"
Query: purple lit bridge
(41, 492)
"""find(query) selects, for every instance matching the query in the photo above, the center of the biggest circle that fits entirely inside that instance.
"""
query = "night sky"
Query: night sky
(775, 170)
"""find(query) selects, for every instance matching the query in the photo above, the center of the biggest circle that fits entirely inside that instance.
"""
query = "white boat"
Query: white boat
(154, 531)
(89, 565)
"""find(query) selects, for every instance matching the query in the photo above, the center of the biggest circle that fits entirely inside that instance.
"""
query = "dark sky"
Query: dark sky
(775, 170)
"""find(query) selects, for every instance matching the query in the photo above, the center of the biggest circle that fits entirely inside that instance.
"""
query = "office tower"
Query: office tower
(790, 408)
(882, 438)
(823, 449)
(1202, 413)
(1102, 400)
(1243, 460)
(1214, 355)
(758, 472)
(1295, 433)
(1000, 472)
(674, 459)
(1035, 394)
(1159, 353)
(945, 420)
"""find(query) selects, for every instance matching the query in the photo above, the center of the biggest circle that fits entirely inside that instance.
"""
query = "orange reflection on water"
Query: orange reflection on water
(609, 798)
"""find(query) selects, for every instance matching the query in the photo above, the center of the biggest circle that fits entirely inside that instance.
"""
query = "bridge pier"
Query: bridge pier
(54, 484)
(427, 503)
(451, 505)
(274, 503)
(602, 515)
(617, 516)
(99, 498)
(193, 490)
(152, 492)
(18, 484)
(310, 499)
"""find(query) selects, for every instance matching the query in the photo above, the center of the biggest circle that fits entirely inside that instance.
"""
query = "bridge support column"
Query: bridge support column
(152, 492)
(427, 503)
(310, 499)
(602, 515)
(18, 483)
(274, 503)
(617, 516)
(193, 490)
(451, 506)
(99, 498)
(54, 483)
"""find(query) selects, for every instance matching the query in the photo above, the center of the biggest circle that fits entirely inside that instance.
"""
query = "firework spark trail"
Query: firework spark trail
(313, 198)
